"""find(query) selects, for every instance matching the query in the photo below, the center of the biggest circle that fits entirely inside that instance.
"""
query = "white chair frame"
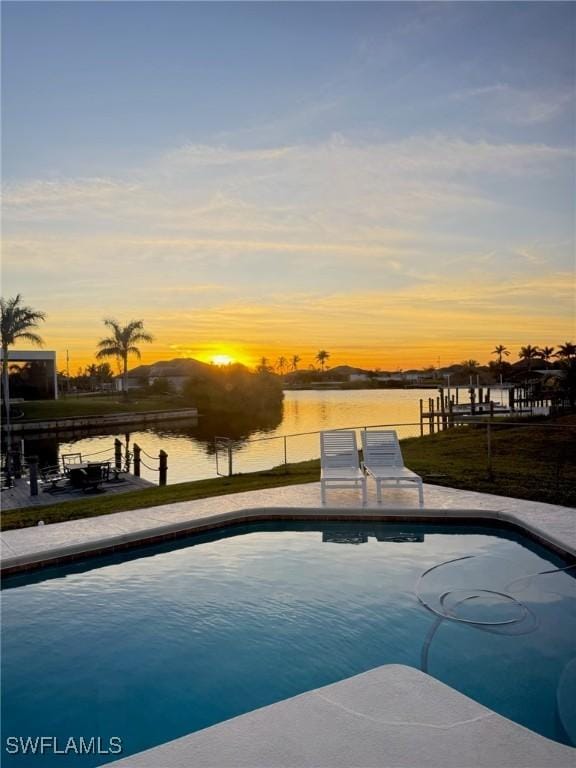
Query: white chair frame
(382, 459)
(339, 462)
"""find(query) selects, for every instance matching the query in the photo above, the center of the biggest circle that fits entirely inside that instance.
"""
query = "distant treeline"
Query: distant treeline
(233, 389)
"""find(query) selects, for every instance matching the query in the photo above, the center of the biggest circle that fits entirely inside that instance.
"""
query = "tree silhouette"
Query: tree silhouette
(566, 350)
(546, 353)
(470, 366)
(264, 366)
(500, 350)
(321, 357)
(295, 359)
(122, 343)
(17, 322)
(528, 353)
(281, 364)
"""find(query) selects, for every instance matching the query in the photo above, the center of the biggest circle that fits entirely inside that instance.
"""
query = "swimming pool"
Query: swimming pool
(176, 637)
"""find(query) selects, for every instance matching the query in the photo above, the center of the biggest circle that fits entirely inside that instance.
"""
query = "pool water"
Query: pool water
(176, 637)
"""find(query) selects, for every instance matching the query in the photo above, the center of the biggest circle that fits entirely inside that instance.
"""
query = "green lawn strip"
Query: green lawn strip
(92, 506)
(94, 406)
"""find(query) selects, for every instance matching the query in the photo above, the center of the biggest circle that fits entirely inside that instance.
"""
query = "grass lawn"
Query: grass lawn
(536, 461)
(96, 406)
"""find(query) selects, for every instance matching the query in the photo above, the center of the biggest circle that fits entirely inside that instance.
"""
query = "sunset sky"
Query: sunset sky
(391, 182)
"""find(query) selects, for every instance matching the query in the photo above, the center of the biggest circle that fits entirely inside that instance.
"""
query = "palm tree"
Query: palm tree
(294, 360)
(264, 366)
(546, 353)
(122, 343)
(566, 350)
(500, 350)
(321, 357)
(17, 322)
(470, 366)
(528, 353)
(281, 364)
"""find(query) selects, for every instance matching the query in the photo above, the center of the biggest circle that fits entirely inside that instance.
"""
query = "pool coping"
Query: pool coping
(95, 543)
(53, 556)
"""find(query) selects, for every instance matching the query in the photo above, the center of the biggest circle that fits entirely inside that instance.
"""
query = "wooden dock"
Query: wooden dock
(19, 495)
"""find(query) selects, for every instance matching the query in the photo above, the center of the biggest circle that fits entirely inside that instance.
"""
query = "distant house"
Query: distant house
(174, 372)
(36, 378)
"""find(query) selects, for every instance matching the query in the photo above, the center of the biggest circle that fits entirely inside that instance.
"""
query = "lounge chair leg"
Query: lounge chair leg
(323, 493)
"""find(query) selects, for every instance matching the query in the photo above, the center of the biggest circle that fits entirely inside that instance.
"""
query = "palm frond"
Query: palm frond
(33, 338)
(109, 351)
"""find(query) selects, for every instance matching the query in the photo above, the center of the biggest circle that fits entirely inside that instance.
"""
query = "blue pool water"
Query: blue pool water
(177, 637)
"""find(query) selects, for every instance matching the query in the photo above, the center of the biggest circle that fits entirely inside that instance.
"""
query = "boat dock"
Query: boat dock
(446, 410)
(19, 495)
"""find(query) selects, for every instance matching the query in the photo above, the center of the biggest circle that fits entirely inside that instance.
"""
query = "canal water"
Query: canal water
(190, 444)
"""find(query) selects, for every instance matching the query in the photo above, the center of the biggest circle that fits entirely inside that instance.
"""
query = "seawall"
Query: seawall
(101, 420)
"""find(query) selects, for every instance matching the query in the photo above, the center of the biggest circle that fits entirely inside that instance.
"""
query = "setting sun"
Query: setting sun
(222, 360)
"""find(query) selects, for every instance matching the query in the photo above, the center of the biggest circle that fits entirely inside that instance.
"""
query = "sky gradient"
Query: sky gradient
(391, 182)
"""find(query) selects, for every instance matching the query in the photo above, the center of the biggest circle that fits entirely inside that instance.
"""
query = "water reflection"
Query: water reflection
(190, 443)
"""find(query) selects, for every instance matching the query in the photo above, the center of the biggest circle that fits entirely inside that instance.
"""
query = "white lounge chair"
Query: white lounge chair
(339, 462)
(382, 458)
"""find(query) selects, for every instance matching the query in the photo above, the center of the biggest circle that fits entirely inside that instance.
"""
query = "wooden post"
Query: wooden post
(443, 408)
(136, 460)
(431, 406)
(117, 454)
(472, 401)
(421, 418)
(33, 469)
(229, 458)
(163, 457)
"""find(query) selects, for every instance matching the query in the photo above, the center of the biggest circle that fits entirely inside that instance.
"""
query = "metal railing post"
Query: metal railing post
(33, 470)
(136, 460)
(229, 458)
(489, 449)
(163, 458)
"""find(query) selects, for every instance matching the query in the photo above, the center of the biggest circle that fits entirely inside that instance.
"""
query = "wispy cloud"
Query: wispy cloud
(519, 106)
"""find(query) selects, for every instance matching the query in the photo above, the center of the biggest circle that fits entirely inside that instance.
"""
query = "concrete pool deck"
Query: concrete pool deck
(26, 548)
(389, 717)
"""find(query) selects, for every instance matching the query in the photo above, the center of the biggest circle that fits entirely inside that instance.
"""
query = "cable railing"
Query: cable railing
(498, 454)
(260, 453)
